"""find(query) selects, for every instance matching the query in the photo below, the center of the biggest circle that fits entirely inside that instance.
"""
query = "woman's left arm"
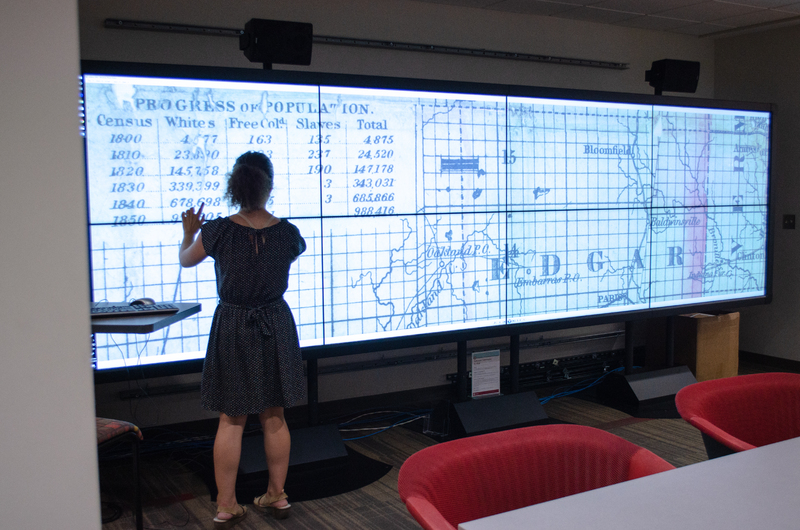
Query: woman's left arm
(192, 251)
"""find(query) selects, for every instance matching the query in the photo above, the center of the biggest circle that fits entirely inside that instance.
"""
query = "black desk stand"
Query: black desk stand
(141, 323)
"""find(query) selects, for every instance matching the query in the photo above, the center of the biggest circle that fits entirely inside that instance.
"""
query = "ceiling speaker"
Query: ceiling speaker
(277, 41)
(672, 75)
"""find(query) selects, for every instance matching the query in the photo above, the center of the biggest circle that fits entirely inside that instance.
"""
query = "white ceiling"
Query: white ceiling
(688, 17)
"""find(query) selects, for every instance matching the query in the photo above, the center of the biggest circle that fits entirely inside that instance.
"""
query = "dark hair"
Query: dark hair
(250, 181)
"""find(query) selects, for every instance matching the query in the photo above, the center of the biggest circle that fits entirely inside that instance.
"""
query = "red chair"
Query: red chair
(466, 479)
(743, 412)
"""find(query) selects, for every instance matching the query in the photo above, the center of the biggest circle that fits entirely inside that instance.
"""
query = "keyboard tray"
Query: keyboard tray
(121, 310)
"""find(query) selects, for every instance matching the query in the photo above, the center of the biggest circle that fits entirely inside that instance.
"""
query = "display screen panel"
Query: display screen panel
(426, 211)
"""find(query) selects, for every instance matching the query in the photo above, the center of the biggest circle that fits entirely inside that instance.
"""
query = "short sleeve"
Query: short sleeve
(211, 232)
(298, 245)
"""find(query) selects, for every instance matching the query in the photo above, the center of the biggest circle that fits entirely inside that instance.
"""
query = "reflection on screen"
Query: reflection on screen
(425, 211)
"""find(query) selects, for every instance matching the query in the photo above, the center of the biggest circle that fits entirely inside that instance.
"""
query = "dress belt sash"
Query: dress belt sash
(258, 315)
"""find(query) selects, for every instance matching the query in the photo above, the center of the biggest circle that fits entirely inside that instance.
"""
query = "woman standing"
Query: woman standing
(253, 363)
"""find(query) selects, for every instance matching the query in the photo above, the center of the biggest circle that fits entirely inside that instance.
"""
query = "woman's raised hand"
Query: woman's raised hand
(192, 221)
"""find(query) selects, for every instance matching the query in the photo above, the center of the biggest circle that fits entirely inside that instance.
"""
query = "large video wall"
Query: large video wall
(426, 211)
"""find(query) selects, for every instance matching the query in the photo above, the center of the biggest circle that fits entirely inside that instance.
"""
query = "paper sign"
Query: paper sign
(486, 373)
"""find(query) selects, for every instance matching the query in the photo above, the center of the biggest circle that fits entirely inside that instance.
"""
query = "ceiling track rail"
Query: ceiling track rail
(115, 23)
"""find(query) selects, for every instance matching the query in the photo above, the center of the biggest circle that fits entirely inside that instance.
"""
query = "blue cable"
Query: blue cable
(403, 422)
(387, 417)
(573, 390)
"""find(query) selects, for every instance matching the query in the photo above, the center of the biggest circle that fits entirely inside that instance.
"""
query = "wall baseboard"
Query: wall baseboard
(779, 363)
(329, 411)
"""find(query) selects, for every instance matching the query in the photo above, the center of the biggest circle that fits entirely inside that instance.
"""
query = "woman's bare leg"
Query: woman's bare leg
(277, 446)
(227, 451)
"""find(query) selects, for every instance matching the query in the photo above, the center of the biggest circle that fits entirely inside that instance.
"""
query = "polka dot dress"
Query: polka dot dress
(253, 359)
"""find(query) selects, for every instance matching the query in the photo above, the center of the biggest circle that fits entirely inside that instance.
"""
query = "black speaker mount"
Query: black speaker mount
(673, 75)
(277, 41)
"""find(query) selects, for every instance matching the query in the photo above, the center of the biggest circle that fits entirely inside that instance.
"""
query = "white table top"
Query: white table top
(751, 490)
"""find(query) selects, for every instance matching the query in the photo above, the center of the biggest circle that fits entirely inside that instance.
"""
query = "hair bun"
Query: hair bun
(255, 159)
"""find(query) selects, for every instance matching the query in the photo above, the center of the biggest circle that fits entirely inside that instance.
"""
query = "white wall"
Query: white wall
(763, 67)
(48, 461)
(395, 20)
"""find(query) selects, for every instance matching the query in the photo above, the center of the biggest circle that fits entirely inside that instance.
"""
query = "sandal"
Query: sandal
(265, 503)
(236, 516)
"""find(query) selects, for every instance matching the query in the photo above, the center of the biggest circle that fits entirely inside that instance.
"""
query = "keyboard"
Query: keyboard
(119, 310)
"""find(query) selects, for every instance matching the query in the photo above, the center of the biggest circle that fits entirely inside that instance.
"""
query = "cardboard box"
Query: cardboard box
(708, 344)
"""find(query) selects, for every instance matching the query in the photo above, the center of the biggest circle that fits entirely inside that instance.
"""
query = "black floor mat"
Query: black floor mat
(307, 482)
